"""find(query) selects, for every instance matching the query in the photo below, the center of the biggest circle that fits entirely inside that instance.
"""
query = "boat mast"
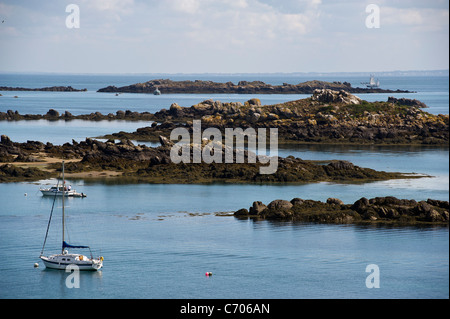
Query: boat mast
(63, 217)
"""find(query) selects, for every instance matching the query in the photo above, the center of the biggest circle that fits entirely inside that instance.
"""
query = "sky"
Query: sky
(223, 36)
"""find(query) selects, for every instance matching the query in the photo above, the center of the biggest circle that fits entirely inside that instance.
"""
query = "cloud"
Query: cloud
(9, 31)
(5, 10)
(239, 21)
(223, 35)
(427, 19)
(186, 6)
(111, 5)
(400, 16)
(113, 8)
(292, 6)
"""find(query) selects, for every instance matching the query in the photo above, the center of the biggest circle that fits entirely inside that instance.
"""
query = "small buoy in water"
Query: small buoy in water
(25, 194)
(36, 265)
(207, 274)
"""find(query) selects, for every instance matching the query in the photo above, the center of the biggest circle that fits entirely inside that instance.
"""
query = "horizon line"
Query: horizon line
(228, 73)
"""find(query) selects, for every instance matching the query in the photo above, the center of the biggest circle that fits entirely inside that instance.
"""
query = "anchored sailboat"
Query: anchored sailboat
(58, 191)
(372, 83)
(64, 259)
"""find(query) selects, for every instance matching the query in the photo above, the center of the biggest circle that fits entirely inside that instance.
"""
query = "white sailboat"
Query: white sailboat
(372, 83)
(58, 191)
(64, 259)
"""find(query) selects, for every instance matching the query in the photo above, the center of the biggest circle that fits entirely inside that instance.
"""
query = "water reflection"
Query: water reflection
(61, 131)
(261, 223)
(363, 149)
(61, 288)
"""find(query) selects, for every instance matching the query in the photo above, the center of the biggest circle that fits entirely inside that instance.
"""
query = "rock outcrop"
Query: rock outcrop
(407, 102)
(379, 209)
(12, 173)
(167, 86)
(154, 164)
(330, 96)
(52, 114)
(326, 117)
(48, 89)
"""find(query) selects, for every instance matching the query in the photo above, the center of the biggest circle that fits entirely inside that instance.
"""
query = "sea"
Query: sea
(159, 240)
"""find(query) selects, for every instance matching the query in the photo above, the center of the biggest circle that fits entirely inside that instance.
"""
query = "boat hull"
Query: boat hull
(48, 192)
(56, 262)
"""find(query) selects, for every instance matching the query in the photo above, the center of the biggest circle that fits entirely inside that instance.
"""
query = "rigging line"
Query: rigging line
(67, 234)
(49, 220)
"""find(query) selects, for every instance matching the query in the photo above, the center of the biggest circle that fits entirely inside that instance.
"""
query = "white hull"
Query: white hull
(50, 192)
(61, 261)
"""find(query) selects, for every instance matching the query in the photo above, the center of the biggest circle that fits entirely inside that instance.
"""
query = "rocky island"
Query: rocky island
(123, 160)
(54, 115)
(326, 117)
(48, 89)
(243, 87)
(379, 210)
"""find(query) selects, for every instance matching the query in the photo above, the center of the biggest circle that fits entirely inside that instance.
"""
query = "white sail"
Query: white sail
(372, 83)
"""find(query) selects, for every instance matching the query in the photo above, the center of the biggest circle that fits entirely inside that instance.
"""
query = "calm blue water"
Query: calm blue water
(159, 240)
(60, 132)
(154, 249)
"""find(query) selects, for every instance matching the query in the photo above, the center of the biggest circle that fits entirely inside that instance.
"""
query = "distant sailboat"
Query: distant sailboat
(64, 259)
(372, 83)
(58, 191)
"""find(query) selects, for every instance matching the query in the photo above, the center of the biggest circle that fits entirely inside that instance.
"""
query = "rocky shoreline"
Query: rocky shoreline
(243, 87)
(126, 162)
(54, 115)
(376, 210)
(327, 117)
(45, 89)
(123, 160)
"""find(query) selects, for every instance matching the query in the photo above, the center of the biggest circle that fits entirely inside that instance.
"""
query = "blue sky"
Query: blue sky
(223, 36)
